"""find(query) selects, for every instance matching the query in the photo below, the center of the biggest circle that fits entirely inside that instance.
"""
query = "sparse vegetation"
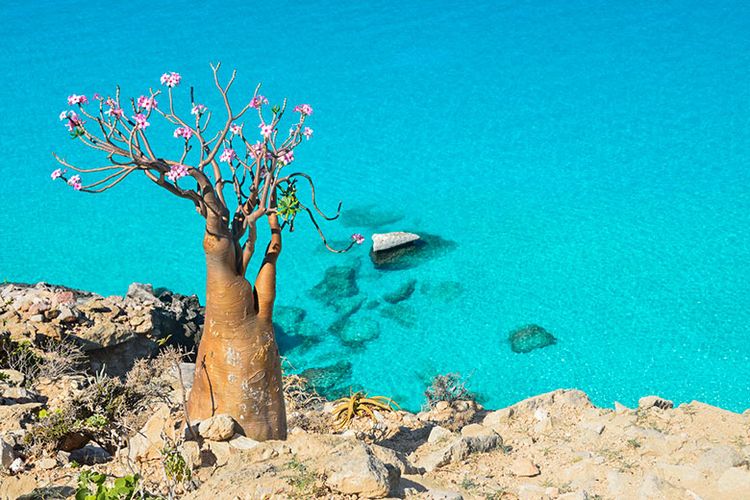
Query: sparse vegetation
(52, 358)
(94, 486)
(449, 387)
(359, 405)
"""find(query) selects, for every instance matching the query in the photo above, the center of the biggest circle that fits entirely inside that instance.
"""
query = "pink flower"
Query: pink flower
(265, 130)
(256, 150)
(183, 132)
(115, 111)
(170, 79)
(73, 120)
(57, 173)
(97, 96)
(64, 115)
(308, 132)
(75, 182)
(305, 109)
(235, 129)
(227, 155)
(147, 102)
(140, 121)
(177, 172)
(77, 99)
(198, 109)
(358, 238)
(287, 157)
(258, 101)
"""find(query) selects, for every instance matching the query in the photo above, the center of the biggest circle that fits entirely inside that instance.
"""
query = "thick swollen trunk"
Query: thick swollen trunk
(238, 369)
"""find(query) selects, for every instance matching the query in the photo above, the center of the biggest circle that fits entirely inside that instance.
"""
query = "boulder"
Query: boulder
(7, 454)
(476, 439)
(402, 293)
(439, 434)
(217, 428)
(359, 330)
(337, 283)
(332, 380)
(523, 467)
(388, 241)
(655, 402)
(530, 337)
(90, 454)
(148, 442)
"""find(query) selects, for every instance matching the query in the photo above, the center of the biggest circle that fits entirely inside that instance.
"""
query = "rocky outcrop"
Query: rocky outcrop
(113, 331)
(389, 241)
(530, 337)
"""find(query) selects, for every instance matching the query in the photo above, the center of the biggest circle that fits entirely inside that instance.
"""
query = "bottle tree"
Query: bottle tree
(238, 369)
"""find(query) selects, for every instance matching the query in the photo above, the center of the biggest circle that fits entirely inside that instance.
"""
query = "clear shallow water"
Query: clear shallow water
(588, 159)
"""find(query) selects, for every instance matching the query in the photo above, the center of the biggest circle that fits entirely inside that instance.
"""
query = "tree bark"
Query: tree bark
(238, 369)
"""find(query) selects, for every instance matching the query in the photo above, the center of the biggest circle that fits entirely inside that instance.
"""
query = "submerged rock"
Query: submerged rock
(442, 290)
(427, 248)
(337, 283)
(401, 293)
(331, 381)
(347, 308)
(403, 314)
(530, 337)
(388, 241)
(359, 330)
(369, 216)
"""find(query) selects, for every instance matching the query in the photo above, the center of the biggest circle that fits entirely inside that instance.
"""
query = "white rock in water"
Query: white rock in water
(386, 241)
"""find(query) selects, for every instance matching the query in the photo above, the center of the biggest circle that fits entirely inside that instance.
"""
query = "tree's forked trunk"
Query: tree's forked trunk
(238, 369)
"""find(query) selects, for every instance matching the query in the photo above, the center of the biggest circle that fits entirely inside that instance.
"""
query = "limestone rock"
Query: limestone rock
(90, 454)
(439, 434)
(148, 442)
(7, 454)
(241, 442)
(387, 241)
(734, 483)
(655, 401)
(530, 337)
(11, 378)
(523, 467)
(191, 452)
(718, 459)
(217, 428)
(46, 463)
(216, 453)
(435, 494)
(13, 416)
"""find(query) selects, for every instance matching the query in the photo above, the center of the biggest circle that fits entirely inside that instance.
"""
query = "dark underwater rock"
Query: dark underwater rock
(401, 293)
(330, 381)
(358, 331)
(530, 337)
(289, 317)
(337, 283)
(443, 290)
(402, 314)
(354, 305)
(369, 216)
(427, 248)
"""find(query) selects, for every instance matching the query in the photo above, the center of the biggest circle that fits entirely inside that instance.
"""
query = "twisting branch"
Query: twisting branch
(255, 174)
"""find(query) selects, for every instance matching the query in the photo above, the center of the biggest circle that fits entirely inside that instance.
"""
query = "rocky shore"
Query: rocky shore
(74, 400)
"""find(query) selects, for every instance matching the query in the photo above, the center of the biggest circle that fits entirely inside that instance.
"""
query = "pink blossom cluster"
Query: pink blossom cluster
(287, 157)
(75, 182)
(114, 109)
(308, 132)
(98, 96)
(265, 130)
(235, 129)
(57, 173)
(198, 109)
(77, 99)
(170, 79)
(256, 149)
(227, 155)
(305, 109)
(140, 121)
(148, 103)
(177, 172)
(184, 132)
(358, 238)
(258, 101)
(73, 120)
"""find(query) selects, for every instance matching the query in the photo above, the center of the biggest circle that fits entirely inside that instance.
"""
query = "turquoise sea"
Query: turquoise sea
(583, 163)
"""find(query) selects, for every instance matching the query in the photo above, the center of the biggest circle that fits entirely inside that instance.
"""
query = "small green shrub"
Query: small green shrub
(93, 486)
(175, 466)
(449, 387)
